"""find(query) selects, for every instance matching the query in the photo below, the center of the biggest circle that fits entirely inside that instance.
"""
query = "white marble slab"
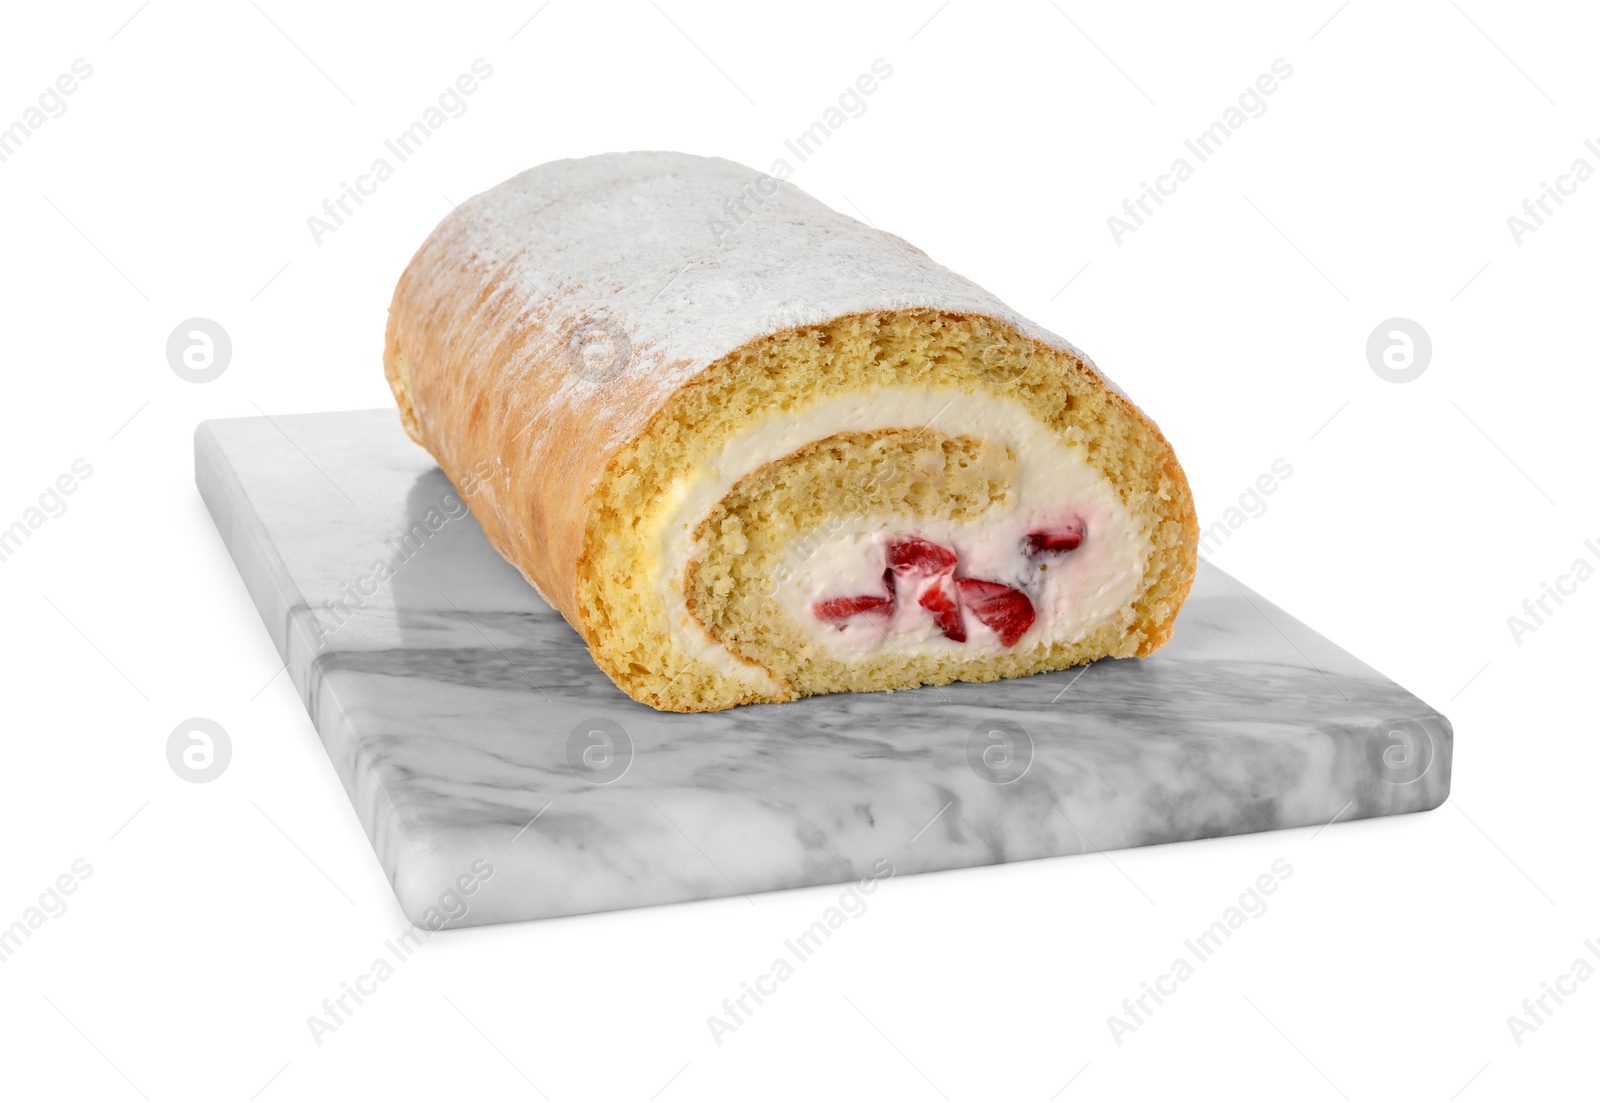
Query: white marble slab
(458, 709)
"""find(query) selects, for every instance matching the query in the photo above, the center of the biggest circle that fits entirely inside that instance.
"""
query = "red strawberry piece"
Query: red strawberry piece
(841, 609)
(940, 599)
(1007, 611)
(1063, 539)
(914, 555)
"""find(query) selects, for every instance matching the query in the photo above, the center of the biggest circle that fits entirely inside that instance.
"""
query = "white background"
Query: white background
(1377, 184)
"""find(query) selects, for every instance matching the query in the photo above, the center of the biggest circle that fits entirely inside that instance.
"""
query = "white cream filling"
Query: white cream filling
(1077, 591)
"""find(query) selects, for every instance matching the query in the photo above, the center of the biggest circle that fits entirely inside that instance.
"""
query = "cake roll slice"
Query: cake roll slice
(753, 449)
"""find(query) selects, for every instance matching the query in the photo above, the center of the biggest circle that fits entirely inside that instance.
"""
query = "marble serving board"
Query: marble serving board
(472, 731)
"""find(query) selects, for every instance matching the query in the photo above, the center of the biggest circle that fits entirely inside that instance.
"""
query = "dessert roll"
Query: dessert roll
(753, 449)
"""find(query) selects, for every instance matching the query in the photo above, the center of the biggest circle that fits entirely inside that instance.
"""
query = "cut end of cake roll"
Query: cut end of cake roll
(885, 500)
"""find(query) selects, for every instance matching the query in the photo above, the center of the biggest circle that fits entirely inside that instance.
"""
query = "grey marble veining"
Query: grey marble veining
(468, 724)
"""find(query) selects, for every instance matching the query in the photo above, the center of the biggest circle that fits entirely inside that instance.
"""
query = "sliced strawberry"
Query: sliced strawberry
(1007, 611)
(914, 555)
(1062, 539)
(940, 599)
(841, 609)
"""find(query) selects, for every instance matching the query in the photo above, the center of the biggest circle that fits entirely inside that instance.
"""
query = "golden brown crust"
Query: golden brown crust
(1160, 632)
(481, 385)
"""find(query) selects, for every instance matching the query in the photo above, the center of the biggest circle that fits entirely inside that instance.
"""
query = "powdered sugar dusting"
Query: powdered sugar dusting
(690, 258)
